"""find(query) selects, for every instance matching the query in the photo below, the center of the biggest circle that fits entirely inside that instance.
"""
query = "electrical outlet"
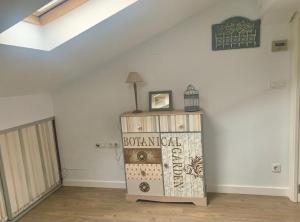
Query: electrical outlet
(113, 144)
(99, 145)
(110, 144)
(276, 168)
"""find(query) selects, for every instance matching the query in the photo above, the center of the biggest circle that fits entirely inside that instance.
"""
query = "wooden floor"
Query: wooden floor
(70, 204)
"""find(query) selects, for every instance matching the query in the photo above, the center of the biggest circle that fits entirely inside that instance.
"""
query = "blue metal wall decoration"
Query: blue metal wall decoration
(236, 33)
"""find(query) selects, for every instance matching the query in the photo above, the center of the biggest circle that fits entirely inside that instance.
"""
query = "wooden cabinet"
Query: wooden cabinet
(163, 156)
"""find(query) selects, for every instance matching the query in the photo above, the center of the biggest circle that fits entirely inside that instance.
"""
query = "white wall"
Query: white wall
(19, 110)
(246, 122)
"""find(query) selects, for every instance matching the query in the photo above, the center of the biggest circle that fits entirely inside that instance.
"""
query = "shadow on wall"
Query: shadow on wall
(240, 137)
(211, 154)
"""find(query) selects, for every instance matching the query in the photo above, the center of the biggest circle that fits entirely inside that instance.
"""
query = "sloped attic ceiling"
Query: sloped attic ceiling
(46, 30)
(274, 11)
(26, 71)
(12, 11)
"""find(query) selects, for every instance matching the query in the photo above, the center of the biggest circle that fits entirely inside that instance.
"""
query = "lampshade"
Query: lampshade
(134, 77)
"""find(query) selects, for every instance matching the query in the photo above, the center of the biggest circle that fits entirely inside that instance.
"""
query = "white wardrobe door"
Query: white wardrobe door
(3, 216)
(34, 168)
(49, 153)
(14, 171)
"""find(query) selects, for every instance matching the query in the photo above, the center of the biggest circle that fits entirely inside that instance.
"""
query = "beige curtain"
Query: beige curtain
(30, 165)
(14, 170)
(33, 160)
(3, 216)
(49, 155)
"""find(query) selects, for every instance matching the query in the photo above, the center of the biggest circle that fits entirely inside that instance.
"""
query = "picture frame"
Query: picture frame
(160, 100)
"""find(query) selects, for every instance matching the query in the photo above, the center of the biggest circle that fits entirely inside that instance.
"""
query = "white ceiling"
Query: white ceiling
(274, 11)
(49, 36)
(12, 11)
(26, 71)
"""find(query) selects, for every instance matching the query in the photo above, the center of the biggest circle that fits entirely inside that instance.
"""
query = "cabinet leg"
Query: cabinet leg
(131, 198)
(201, 202)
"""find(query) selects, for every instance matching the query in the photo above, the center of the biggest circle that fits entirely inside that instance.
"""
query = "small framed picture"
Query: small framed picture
(160, 101)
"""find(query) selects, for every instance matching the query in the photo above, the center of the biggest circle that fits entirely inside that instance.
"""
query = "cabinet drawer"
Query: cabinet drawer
(143, 172)
(145, 187)
(143, 156)
(140, 124)
(180, 123)
(144, 179)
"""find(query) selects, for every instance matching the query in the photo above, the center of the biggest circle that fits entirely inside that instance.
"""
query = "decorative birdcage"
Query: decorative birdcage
(191, 99)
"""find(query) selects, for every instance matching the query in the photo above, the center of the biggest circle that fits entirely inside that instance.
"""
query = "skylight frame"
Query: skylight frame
(53, 11)
(48, 7)
(50, 36)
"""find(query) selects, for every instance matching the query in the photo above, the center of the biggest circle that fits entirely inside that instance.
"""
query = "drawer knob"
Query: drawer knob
(181, 127)
(140, 128)
(144, 187)
(166, 165)
(142, 156)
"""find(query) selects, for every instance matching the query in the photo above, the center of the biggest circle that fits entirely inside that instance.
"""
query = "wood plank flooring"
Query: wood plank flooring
(73, 204)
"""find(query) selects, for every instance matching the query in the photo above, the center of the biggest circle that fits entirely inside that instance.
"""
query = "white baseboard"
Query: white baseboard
(94, 183)
(254, 190)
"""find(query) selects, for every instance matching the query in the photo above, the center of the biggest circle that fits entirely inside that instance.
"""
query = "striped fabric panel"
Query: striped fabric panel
(29, 166)
(3, 216)
(34, 169)
(53, 152)
(48, 149)
(14, 170)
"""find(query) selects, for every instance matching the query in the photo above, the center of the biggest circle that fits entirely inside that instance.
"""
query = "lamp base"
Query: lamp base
(137, 111)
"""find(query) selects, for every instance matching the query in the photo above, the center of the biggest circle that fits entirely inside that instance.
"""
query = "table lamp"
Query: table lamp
(134, 77)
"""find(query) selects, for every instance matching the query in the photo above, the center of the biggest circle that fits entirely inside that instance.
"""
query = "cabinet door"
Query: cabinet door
(183, 166)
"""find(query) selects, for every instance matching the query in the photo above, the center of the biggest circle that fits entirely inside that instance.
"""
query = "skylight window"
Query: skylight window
(53, 10)
(48, 7)
(59, 21)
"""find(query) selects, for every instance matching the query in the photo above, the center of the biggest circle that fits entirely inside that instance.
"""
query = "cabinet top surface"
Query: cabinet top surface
(159, 113)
